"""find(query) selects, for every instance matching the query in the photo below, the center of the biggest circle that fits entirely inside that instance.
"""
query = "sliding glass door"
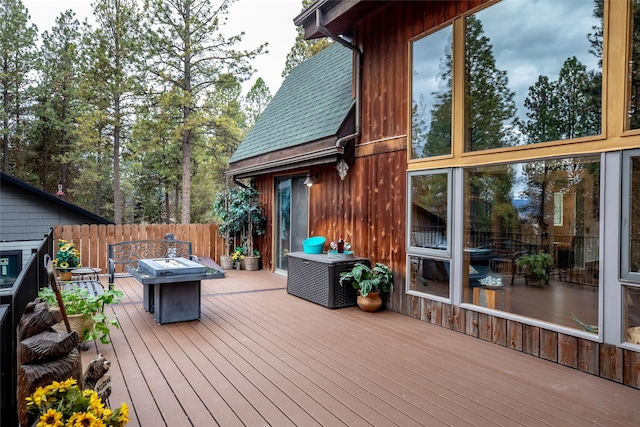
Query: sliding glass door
(292, 218)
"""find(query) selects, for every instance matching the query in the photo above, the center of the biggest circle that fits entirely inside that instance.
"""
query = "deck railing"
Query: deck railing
(93, 240)
(12, 304)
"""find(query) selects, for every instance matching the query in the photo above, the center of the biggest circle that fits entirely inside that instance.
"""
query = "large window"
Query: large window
(431, 95)
(531, 239)
(534, 73)
(630, 260)
(429, 232)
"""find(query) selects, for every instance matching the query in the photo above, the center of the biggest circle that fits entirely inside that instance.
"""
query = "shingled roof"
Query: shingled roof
(311, 105)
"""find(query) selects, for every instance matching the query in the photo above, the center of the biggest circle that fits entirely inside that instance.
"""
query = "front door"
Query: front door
(292, 218)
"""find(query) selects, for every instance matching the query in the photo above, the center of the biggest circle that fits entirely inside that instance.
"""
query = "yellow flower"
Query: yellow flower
(51, 418)
(64, 264)
(124, 414)
(65, 248)
(37, 397)
(84, 419)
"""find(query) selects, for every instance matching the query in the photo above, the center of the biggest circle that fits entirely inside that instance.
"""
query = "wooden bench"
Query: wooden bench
(130, 252)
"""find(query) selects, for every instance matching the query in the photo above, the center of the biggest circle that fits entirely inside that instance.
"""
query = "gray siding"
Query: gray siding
(26, 216)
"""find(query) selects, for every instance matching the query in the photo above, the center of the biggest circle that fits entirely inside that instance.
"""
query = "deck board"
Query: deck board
(259, 356)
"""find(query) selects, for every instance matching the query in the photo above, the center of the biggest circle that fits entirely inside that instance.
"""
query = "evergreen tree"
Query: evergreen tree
(303, 49)
(110, 86)
(185, 55)
(57, 104)
(257, 100)
(542, 102)
(17, 56)
(490, 109)
(573, 91)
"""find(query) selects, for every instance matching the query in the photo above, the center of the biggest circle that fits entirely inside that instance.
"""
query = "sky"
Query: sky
(529, 39)
(263, 21)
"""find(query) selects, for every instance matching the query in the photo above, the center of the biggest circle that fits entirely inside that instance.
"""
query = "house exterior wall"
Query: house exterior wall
(370, 205)
(26, 216)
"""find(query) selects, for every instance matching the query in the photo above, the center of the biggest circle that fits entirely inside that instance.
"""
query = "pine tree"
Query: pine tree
(110, 86)
(186, 53)
(490, 107)
(257, 100)
(303, 49)
(57, 104)
(17, 56)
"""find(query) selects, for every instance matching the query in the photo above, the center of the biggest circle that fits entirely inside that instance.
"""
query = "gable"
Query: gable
(311, 106)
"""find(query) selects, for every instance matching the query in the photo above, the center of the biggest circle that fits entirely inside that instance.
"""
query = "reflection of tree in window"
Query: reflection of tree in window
(634, 61)
(564, 109)
(491, 210)
(431, 114)
(489, 104)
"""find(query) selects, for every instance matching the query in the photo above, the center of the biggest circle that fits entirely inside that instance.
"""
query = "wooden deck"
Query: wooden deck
(261, 357)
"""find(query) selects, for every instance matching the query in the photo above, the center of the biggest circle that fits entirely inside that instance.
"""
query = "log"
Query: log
(38, 317)
(46, 346)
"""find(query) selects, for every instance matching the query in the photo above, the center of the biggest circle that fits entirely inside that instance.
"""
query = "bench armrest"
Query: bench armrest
(112, 269)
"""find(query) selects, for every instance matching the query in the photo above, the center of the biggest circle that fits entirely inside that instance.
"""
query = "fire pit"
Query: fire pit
(171, 287)
(170, 267)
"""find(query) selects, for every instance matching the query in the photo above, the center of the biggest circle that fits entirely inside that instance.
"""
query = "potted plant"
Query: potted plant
(369, 282)
(67, 258)
(240, 219)
(535, 266)
(86, 312)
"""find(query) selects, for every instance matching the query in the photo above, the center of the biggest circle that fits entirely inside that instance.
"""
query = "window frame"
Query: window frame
(417, 250)
(625, 212)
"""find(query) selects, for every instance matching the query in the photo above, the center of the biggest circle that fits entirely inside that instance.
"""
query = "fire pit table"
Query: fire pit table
(171, 287)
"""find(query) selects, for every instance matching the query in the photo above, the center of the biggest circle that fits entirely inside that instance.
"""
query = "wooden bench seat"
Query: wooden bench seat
(94, 287)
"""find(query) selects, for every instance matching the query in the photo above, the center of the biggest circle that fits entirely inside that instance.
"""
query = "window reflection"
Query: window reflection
(634, 71)
(544, 210)
(632, 309)
(429, 211)
(530, 79)
(429, 275)
(431, 95)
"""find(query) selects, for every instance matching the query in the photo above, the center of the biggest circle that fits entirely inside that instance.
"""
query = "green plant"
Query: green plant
(64, 403)
(78, 301)
(367, 279)
(537, 265)
(67, 256)
(240, 217)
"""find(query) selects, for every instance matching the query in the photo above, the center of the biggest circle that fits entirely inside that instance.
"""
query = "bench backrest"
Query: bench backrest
(128, 253)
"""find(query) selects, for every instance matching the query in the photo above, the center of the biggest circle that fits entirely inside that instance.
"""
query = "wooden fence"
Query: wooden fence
(93, 240)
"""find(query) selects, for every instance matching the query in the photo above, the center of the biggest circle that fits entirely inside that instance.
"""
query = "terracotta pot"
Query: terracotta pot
(252, 263)
(372, 302)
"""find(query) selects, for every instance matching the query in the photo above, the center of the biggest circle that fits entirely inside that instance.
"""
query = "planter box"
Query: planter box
(496, 298)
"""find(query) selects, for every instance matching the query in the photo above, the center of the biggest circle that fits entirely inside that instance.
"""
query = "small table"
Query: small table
(90, 272)
(172, 298)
